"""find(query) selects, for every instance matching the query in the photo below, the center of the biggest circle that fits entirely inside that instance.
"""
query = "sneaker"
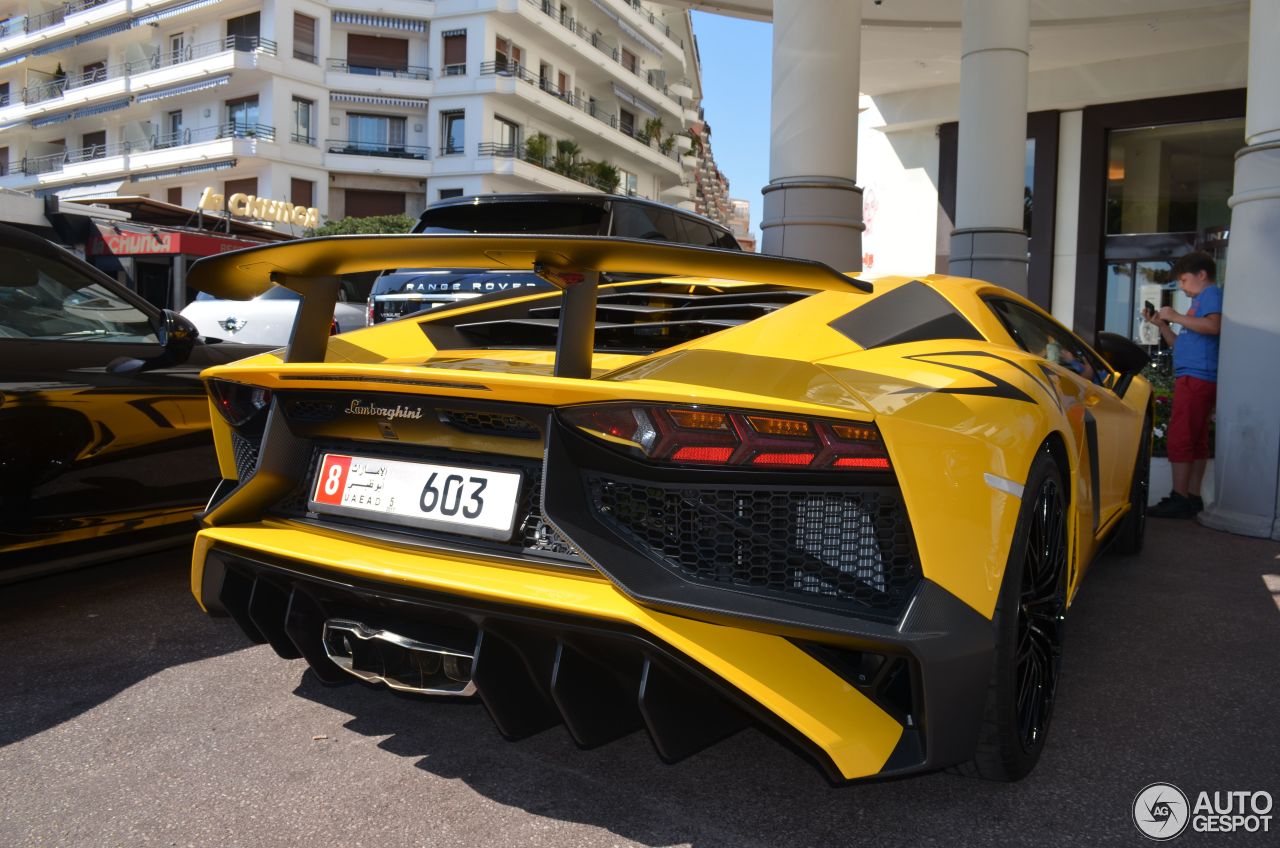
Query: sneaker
(1196, 503)
(1174, 506)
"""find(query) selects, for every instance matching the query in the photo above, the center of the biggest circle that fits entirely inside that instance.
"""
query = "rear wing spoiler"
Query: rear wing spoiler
(311, 268)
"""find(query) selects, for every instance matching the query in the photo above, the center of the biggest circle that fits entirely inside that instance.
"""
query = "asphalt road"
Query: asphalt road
(128, 718)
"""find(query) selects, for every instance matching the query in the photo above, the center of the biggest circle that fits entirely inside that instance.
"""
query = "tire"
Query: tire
(1029, 618)
(1129, 536)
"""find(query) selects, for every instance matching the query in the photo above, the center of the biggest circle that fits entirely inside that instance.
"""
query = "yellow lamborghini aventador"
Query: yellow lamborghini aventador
(687, 490)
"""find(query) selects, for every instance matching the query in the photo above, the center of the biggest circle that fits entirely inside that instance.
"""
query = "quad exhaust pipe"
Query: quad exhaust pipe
(402, 663)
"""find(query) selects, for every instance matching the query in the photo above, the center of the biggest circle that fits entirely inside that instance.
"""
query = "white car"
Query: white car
(265, 320)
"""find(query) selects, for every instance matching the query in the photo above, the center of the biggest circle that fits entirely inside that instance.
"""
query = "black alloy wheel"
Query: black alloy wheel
(1028, 625)
(1041, 614)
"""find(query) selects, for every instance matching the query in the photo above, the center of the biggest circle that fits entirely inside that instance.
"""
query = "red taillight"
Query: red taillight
(731, 438)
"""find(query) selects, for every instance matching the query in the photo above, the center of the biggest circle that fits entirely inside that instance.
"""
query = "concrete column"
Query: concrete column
(988, 241)
(812, 205)
(1247, 464)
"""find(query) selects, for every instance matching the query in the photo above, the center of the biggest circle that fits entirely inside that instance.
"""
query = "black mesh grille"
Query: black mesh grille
(311, 410)
(850, 548)
(533, 535)
(246, 454)
(490, 423)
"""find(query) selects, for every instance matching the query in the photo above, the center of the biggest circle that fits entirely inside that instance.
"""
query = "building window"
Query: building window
(94, 145)
(304, 38)
(626, 122)
(630, 62)
(361, 203)
(242, 32)
(173, 134)
(303, 114)
(1166, 185)
(179, 51)
(4, 94)
(93, 72)
(506, 137)
(242, 117)
(453, 126)
(302, 192)
(371, 54)
(455, 53)
(375, 133)
(627, 183)
(4, 161)
(174, 195)
(247, 186)
(446, 193)
(563, 82)
(507, 56)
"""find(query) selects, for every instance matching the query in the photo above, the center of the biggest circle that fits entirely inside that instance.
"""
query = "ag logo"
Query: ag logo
(1161, 811)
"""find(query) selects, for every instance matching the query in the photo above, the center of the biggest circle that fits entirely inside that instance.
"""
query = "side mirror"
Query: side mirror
(1123, 355)
(177, 335)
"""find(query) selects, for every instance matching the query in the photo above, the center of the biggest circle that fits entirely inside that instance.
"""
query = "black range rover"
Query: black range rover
(403, 292)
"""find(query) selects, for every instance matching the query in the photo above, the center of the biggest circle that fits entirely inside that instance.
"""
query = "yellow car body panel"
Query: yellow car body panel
(858, 735)
(963, 423)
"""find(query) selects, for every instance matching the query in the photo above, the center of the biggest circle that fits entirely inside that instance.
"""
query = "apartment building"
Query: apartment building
(740, 223)
(709, 184)
(356, 107)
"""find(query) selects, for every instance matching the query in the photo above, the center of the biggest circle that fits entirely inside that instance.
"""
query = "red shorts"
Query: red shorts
(1193, 402)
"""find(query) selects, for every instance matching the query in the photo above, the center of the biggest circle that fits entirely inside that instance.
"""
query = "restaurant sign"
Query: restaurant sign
(256, 208)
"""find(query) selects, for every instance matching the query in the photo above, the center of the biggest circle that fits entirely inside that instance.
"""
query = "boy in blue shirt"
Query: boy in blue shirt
(1195, 381)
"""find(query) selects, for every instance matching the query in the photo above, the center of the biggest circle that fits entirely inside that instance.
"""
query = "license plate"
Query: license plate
(474, 501)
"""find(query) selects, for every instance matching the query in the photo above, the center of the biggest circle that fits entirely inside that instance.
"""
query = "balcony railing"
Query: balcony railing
(163, 58)
(53, 17)
(493, 148)
(34, 165)
(596, 40)
(407, 72)
(574, 171)
(375, 148)
(520, 72)
(199, 135)
(58, 86)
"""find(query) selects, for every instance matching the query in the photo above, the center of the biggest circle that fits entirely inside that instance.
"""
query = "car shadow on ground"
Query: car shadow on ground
(1164, 682)
(74, 640)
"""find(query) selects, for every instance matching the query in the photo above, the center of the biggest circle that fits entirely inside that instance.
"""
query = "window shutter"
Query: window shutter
(300, 192)
(370, 51)
(304, 36)
(455, 48)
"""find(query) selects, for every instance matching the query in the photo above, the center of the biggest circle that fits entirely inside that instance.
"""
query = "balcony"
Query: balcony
(57, 162)
(673, 103)
(409, 72)
(26, 25)
(588, 107)
(373, 148)
(56, 92)
(576, 171)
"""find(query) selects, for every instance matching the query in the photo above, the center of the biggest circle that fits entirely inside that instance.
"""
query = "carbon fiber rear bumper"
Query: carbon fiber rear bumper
(534, 669)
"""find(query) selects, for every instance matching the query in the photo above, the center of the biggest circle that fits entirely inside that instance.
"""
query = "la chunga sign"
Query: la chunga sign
(259, 208)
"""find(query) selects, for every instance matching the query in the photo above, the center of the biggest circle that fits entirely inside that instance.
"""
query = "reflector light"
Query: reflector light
(782, 459)
(871, 462)
(863, 434)
(779, 426)
(692, 419)
(702, 454)
(732, 438)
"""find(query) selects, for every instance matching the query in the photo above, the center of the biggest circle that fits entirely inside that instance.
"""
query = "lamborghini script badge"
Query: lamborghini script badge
(390, 413)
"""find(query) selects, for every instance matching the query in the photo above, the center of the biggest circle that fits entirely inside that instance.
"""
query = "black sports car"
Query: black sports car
(105, 447)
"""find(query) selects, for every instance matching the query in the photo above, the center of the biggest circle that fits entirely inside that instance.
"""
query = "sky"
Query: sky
(736, 86)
